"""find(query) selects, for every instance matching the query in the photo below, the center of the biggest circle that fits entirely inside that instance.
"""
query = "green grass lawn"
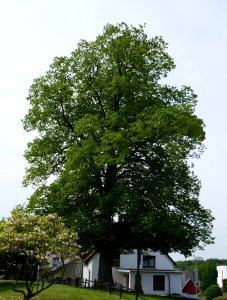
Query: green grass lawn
(64, 292)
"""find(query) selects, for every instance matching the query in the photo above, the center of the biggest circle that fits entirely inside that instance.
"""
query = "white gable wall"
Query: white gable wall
(90, 270)
(128, 261)
(162, 262)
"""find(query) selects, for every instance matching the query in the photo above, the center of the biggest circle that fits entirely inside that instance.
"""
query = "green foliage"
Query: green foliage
(224, 281)
(208, 273)
(28, 242)
(213, 291)
(190, 264)
(112, 140)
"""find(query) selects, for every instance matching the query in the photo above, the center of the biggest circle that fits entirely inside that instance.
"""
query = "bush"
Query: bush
(224, 281)
(213, 291)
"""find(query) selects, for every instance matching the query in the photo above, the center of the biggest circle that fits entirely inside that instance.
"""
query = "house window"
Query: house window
(55, 262)
(116, 260)
(148, 261)
(158, 282)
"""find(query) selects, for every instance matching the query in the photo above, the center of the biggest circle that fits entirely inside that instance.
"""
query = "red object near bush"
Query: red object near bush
(190, 288)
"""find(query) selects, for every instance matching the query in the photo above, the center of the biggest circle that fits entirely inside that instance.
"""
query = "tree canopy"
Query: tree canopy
(113, 145)
(28, 242)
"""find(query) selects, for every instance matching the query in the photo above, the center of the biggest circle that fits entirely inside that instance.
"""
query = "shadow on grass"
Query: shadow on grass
(7, 285)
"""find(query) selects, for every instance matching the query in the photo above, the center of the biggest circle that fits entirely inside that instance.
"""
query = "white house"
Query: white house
(222, 274)
(159, 275)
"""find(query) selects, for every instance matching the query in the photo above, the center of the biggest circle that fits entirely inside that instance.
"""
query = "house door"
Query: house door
(126, 280)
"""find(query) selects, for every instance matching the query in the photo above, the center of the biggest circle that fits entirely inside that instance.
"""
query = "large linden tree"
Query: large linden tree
(114, 146)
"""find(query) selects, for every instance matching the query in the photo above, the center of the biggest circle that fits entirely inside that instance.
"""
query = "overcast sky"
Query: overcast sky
(33, 32)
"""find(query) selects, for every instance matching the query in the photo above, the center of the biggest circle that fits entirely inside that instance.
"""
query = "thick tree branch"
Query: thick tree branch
(69, 125)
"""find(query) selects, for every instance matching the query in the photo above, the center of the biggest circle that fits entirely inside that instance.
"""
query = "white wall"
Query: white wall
(173, 283)
(162, 262)
(176, 283)
(128, 261)
(90, 270)
(147, 283)
(73, 269)
(222, 274)
(120, 277)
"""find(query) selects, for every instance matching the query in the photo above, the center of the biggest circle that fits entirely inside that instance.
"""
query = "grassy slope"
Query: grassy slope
(63, 292)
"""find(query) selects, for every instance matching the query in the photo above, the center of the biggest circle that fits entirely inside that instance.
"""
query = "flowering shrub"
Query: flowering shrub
(31, 241)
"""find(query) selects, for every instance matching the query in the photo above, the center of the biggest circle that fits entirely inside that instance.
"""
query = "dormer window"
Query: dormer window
(148, 261)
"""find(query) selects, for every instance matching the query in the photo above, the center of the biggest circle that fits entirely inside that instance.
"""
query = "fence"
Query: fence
(101, 286)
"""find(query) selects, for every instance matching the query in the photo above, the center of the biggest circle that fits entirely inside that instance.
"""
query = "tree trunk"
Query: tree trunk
(105, 267)
(138, 284)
